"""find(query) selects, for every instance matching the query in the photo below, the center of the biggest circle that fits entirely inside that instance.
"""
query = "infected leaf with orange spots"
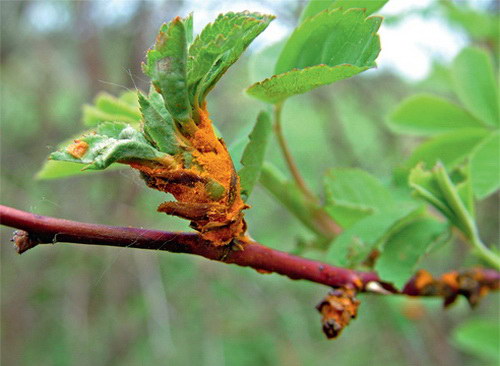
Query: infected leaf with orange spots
(78, 149)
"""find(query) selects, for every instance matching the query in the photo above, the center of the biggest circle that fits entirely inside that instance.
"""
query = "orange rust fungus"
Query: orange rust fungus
(77, 149)
(451, 279)
(423, 279)
(216, 214)
(471, 284)
(337, 310)
(358, 283)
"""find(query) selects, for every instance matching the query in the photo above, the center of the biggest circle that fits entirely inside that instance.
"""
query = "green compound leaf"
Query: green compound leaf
(428, 115)
(451, 148)
(352, 194)
(403, 250)
(331, 46)
(109, 108)
(254, 153)
(315, 6)
(485, 167)
(332, 38)
(280, 87)
(218, 46)
(356, 242)
(476, 85)
(166, 65)
(479, 337)
(101, 151)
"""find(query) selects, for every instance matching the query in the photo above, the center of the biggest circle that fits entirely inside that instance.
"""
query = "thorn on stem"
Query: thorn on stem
(376, 288)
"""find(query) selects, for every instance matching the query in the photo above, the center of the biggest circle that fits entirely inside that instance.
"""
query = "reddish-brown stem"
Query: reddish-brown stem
(42, 229)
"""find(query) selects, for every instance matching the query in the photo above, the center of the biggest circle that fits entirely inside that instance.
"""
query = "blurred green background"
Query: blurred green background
(84, 305)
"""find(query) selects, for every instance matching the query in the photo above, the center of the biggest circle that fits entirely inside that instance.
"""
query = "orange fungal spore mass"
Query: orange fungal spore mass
(218, 220)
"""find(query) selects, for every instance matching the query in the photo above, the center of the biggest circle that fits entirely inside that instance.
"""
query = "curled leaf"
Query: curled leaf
(218, 46)
(166, 65)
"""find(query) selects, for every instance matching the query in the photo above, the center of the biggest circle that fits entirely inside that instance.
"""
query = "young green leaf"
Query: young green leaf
(479, 337)
(109, 108)
(404, 249)
(188, 23)
(111, 129)
(158, 126)
(428, 115)
(332, 38)
(451, 148)
(485, 167)
(280, 87)
(437, 188)
(425, 186)
(313, 7)
(476, 84)
(328, 47)
(253, 155)
(121, 111)
(218, 46)
(346, 216)
(54, 169)
(166, 65)
(356, 242)
(99, 151)
(352, 194)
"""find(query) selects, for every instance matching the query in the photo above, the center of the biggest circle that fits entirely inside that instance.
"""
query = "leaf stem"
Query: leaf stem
(464, 220)
(323, 221)
(301, 184)
(483, 251)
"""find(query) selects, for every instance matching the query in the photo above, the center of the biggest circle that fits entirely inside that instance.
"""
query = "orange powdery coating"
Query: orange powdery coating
(78, 149)
(451, 279)
(337, 310)
(423, 279)
(471, 284)
(218, 217)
